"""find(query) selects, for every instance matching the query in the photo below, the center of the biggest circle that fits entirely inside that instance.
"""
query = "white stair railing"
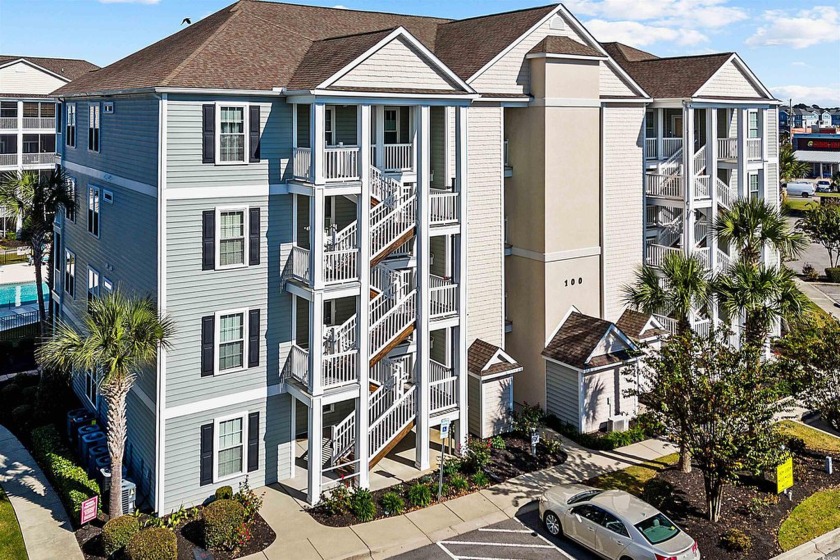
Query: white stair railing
(443, 394)
(671, 147)
(381, 187)
(699, 160)
(673, 162)
(339, 369)
(392, 422)
(399, 366)
(724, 192)
(341, 338)
(342, 438)
(392, 323)
(346, 238)
(392, 225)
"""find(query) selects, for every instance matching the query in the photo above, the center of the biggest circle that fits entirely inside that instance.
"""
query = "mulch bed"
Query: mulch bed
(682, 498)
(189, 538)
(514, 460)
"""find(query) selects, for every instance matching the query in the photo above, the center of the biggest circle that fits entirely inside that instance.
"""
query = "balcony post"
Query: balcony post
(316, 343)
(711, 171)
(316, 238)
(380, 137)
(20, 145)
(317, 140)
(422, 115)
(660, 132)
(688, 178)
(741, 166)
(363, 307)
(459, 362)
(315, 455)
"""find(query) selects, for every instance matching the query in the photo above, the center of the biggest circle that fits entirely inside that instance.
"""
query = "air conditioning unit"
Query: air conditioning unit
(619, 423)
(129, 496)
(95, 453)
(103, 477)
(75, 419)
(89, 441)
(82, 432)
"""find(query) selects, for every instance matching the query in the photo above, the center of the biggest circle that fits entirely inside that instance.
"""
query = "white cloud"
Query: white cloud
(801, 64)
(668, 13)
(824, 96)
(639, 34)
(798, 30)
(129, 1)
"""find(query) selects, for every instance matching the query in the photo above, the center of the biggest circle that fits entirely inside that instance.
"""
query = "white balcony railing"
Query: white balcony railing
(701, 230)
(727, 148)
(444, 207)
(8, 159)
(438, 371)
(650, 148)
(297, 265)
(340, 266)
(341, 163)
(753, 148)
(703, 255)
(340, 369)
(656, 254)
(443, 297)
(302, 161)
(443, 394)
(8, 123)
(398, 157)
(724, 261)
(39, 122)
(39, 158)
(670, 146)
(664, 186)
(668, 323)
(702, 187)
(297, 365)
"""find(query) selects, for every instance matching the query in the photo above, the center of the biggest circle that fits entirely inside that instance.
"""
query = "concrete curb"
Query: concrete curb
(814, 549)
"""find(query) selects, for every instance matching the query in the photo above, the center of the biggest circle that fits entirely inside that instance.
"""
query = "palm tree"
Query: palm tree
(682, 287)
(752, 225)
(790, 168)
(119, 340)
(36, 199)
(763, 294)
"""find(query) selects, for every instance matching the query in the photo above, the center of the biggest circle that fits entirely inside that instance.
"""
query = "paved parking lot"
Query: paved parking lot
(521, 538)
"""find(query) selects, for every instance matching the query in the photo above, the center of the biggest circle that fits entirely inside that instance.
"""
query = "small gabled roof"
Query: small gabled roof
(554, 44)
(639, 326)
(484, 359)
(66, 68)
(577, 338)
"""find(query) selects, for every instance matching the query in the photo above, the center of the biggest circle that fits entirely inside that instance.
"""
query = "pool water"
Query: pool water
(15, 295)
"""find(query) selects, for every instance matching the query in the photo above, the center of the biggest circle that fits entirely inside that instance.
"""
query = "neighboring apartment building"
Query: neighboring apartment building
(332, 206)
(27, 114)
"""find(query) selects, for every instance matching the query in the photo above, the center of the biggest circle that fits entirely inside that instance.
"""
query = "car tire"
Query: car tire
(625, 558)
(805, 195)
(552, 524)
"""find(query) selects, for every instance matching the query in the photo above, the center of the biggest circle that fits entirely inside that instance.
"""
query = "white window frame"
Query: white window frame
(397, 120)
(750, 186)
(70, 140)
(329, 117)
(107, 284)
(67, 273)
(92, 382)
(94, 290)
(217, 340)
(218, 133)
(95, 109)
(71, 183)
(245, 213)
(750, 115)
(217, 432)
(97, 210)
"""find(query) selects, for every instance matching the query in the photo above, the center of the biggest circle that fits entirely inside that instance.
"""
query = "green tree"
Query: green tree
(681, 288)
(752, 225)
(120, 339)
(821, 224)
(790, 168)
(36, 200)
(763, 294)
(726, 419)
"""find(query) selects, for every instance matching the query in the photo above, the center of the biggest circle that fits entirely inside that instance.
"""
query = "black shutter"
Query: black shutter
(206, 464)
(58, 121)
(254, 236)
(208, 333)
(208, 128)
(208, 240)
(254, 133)
(253, 441)
(254, 338)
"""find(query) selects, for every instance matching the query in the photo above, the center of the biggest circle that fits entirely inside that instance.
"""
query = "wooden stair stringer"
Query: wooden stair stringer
(393, 344)
(383, 254)
(392, 444)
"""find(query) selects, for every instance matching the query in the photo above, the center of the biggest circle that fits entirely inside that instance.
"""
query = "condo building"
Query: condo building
(364, 225)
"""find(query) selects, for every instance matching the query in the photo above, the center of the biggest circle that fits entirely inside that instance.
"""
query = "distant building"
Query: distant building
(822, 151)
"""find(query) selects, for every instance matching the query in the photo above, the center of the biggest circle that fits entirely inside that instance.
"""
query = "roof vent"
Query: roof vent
(557, 23)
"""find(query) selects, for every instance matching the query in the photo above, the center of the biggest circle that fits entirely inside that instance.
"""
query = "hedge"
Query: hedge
(600, 441)
(70, 480)
(833, 274)
(222, 521)
(157, 543)
(117, 533)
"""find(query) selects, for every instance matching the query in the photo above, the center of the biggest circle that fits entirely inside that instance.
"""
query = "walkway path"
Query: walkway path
(300, 537)
(46, 528)
(822, 295)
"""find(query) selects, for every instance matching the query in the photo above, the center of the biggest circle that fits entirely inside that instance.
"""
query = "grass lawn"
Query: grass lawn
(815, 516)
(799, 204)
(814, 439)
(11, 540)
(633, 479)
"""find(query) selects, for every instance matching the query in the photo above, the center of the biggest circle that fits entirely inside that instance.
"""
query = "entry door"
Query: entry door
(676, 126)
(585, 530)
(612, 537)
(392, 125)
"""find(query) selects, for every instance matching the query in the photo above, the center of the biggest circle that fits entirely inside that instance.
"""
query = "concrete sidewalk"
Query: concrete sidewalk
(300, 537)
(824, 547)
(46, 529)
(819, 297)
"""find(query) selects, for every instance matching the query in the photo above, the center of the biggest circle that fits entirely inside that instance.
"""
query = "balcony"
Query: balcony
(336, 370)
(443, 297)
(397, 158)
(8, 123)
(41, 158)
(39, 123)
(444, 207)
(670, 146)
(340, 164)
(728, 148)
(7, 160)
(656, 254)
(664, 186)
(339, 266)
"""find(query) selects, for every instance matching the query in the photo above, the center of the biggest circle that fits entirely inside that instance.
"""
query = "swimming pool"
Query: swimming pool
(15, 295)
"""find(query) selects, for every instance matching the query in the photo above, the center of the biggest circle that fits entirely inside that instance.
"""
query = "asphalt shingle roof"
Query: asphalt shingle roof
(564, 45)
(479, 355)
(69, 68)
(577, 338)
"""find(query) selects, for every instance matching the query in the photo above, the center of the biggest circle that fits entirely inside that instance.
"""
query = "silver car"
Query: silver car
(614, 524)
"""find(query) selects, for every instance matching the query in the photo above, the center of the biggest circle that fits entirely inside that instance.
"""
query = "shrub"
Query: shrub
(222, 520)
(117, 533)
(451, 466)
(338, 501)
(22, 415)
(644, 429)
(796, 445)
(497, 442)
(419, 495)
(833, 274)
(478, 455)
(809, 272)
(392, 503)
(153, 544)
(735, 540)
(480, 479)
(223, 493)
(10, 394)
(758, 505)
(249, 500)
(459, 483)
(529, 419)
(552, 446)
(29, 394)
(362, 506)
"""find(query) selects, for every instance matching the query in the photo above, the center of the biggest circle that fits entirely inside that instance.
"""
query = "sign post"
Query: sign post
(444, 435)
(535, 439)
(87, 512)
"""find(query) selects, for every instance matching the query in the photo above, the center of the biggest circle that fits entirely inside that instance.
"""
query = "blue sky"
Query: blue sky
(793, 45)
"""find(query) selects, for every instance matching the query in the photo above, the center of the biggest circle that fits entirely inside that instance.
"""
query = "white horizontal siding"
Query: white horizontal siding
(612, 84)
(24, 78)
(497, 403)
(599, 398)
(562, 393)
(729, 81)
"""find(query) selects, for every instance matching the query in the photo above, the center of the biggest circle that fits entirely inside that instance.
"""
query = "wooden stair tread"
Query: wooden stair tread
(393, 344)
(392, 444)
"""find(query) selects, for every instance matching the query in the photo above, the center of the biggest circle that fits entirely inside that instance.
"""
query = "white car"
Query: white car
(614, 524)
(803, 190)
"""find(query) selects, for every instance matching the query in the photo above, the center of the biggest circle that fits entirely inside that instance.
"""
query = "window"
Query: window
(56, 260)
(8, 110)
(71, 125)
(93, 127)
(230, 233)
(93, 210)
(753, 124)
(583, 496)
(93, 285)
(92, 387)
(231, 334)
(70, 273)
(107, 285)
(657, 529)
(392, 126)
(614, 524)
(754, 186)
(329, 126)
(231, 134)
(592, 513)
(650, 124)
(230, 457)
(70, 211)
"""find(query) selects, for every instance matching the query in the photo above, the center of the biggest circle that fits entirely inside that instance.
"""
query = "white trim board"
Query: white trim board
(130, 184)
(222, 401)
(225, 191)
(556, 256)
(37, 67)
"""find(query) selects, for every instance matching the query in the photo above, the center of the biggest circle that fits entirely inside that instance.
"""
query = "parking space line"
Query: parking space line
(491, 530)
(545, 540)
(510, 545)
(446, 550)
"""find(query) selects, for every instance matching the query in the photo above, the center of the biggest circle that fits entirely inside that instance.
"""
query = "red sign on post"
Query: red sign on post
(88, 510)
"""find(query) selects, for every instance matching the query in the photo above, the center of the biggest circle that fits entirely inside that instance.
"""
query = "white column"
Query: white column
(460, 276)
(711, 171)
(316, 237)
(316, 342)
(363, 307)
(317, 141)
(293, 430)
(315, 455)
(20, 140)
(423, 249)
(380, 136)
(688, 178)
(741, 165)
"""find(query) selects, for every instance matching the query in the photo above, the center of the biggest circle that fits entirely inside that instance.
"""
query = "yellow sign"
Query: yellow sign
(784, 475)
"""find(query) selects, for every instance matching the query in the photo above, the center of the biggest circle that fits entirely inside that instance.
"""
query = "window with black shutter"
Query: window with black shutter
(254, 338)
(208, 240)
(208, 331)
(254, 236)
(254, 133)
(253, 441)
(208, 128)
(206, 465)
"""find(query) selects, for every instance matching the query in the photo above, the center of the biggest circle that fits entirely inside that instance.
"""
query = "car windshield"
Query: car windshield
(584, 496)
(657, 529)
